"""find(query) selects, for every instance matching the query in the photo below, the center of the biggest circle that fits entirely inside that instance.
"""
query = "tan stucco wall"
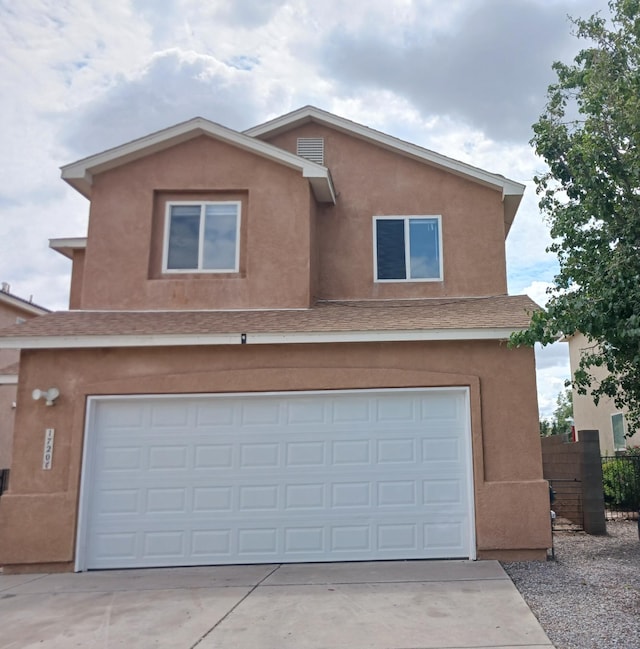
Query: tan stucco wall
(588, 416)
(77, 271)
(38, 514)
(122, 265)
(372, 181)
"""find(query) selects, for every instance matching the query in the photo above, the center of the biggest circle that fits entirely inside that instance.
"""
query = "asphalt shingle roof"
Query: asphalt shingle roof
(403, 315)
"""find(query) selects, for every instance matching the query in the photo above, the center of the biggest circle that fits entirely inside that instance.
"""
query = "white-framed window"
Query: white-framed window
(407, 248)
(202, 237)
(619, 428)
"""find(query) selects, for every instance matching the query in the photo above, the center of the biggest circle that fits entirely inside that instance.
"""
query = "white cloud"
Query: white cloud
(537, 291)
(481, 70)
(174, 86)
(552, 370)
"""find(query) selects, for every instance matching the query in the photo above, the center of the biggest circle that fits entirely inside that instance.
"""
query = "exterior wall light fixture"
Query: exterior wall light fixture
(49, 395)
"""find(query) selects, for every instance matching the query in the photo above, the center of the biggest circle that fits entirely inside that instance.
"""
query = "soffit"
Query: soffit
(68, 246)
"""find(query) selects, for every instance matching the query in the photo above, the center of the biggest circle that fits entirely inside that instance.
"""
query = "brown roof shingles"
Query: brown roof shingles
(511, 312)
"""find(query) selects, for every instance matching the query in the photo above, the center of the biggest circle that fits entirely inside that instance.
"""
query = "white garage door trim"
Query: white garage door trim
(91, 439)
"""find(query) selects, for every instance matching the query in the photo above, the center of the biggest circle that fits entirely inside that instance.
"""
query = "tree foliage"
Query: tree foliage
(589, 136)
(563, 413)
(562, 419)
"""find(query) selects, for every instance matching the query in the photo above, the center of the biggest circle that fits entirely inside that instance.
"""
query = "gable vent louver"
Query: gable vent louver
(311, 148)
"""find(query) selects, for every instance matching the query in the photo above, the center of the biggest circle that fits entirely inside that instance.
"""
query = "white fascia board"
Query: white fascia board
(310, 113)
(80, 174)
(67, 245)
(8, 379)
(295, 338)
(380, 336)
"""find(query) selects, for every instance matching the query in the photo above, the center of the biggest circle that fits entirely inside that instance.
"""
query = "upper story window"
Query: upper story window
(202, 237)
(407, 248)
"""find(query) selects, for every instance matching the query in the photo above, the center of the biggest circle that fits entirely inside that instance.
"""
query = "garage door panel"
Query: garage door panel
(342, 540)
(293, 477)
(213, 456)
(250, 499)
(254, 495)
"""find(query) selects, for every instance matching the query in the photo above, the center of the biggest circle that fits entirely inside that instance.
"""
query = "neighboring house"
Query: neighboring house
(287, 344)
(606, 418)
(13, 310)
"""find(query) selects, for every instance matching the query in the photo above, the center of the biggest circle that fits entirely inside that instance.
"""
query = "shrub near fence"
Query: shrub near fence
(621, 482)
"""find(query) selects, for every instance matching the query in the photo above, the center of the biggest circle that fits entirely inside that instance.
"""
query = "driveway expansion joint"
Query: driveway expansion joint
(29, 581)
(234, 607)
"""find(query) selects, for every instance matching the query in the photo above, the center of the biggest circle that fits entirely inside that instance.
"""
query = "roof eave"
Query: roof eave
(22, 305)
(273, 338)
(511, 203)
(68, 246)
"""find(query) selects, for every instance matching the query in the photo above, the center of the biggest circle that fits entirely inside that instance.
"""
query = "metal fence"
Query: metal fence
(567, 503)
(621, 483)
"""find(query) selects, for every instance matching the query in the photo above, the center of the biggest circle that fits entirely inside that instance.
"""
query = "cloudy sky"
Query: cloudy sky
(466, 78)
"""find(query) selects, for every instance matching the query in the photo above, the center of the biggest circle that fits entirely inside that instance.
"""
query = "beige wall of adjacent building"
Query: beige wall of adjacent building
(586, 414)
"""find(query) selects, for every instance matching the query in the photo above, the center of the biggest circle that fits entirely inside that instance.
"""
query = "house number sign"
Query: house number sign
(47, 455)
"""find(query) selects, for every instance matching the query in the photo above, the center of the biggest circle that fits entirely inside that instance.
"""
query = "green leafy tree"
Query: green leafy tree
(562, 419)
(589, 136)
(563, 413)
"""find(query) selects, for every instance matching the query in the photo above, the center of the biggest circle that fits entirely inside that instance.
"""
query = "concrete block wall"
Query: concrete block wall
(575, 470)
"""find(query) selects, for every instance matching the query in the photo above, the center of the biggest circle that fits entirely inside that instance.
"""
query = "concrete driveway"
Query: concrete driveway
(378, 605)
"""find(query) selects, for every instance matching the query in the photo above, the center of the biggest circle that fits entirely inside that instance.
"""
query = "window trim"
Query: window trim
(199, 269)
(407, 251)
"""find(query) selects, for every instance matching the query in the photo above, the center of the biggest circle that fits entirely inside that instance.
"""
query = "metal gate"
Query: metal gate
(621, 484)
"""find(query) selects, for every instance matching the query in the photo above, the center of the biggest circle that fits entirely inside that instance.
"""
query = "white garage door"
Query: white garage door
(263, 478)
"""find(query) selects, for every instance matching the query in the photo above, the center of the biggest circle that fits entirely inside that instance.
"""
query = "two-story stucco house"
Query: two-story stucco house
(283, 345)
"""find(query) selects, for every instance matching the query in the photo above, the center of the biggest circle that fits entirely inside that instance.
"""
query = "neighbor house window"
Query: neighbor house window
(202, 237)
(618, 424)
(407, 248)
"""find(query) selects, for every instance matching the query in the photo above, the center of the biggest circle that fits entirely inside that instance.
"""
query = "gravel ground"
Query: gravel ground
(589, 597)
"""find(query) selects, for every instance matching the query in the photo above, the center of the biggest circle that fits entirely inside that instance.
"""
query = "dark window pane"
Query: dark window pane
(390, 249)
(424, 249)
(184, 229)
(220, 236)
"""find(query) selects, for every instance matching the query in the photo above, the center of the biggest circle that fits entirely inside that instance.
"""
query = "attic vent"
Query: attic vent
(311, 148)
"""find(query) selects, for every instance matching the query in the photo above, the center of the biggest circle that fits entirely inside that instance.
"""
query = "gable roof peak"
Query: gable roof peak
(80, 174)
(511, 190)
